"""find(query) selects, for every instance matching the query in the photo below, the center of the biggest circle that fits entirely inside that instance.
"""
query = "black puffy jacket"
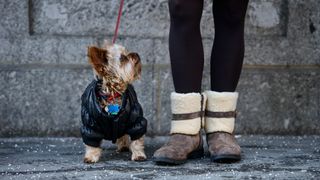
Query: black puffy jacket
(98, 125)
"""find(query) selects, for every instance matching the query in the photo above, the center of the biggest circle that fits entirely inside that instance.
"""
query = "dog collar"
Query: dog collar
(108, 97)
(113, 97)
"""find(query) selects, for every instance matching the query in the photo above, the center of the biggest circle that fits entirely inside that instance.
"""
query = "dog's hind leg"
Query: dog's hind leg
(137, 149)
(123, 143)
(92, 155)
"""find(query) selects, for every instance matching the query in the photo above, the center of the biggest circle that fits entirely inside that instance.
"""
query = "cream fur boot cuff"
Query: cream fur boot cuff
(187, 113)
(220, 111)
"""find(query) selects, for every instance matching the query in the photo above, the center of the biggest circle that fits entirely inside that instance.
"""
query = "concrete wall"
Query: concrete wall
(44, 70)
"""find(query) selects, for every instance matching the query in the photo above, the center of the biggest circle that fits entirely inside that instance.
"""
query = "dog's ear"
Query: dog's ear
(97, 55)
(98, 58)
(134, 57)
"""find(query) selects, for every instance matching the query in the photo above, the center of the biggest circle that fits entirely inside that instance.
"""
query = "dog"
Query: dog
(115, 69)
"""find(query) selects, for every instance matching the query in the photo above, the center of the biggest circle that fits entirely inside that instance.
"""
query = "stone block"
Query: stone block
(303, 30)
(303, 18)
(274, 51)
(314, 24)
(63, 50)
(266, 18)
(45, 50)
(81, 17)
(278, 101)
(263, 18)
(14, 18)
(268, 51)
(142, 18)
(72, 17)
(280, 51)
(145, 18)
(41, 102)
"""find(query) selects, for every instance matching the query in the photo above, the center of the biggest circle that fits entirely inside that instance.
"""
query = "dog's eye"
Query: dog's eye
(123, 58)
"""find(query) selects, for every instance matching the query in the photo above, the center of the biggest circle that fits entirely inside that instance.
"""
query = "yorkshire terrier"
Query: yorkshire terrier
(115, 69)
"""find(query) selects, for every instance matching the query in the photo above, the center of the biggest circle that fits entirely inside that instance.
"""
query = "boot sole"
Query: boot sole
(167, 161)
(226, 158)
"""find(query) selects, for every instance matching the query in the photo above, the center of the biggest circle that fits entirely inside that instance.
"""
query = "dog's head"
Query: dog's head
(114, 62)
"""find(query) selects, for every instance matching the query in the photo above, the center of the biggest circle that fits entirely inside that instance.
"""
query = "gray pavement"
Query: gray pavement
(264, 157)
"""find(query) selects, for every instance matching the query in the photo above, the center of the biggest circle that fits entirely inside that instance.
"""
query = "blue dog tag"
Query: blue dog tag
(113, 109)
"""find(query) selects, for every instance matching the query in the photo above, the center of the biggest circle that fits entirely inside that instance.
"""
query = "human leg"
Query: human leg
(228, 48)
(185, 45)
(186, 55)
(226, 63)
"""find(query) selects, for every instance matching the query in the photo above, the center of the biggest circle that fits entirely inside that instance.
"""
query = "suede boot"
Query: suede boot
(185, 141)
(219, 125)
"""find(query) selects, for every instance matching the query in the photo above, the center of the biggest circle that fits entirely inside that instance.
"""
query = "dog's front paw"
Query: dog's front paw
(137, 149)
(138, 156)
(90, 160)
(92, 154)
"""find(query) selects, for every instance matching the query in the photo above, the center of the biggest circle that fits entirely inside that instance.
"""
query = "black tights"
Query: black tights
(186, 50)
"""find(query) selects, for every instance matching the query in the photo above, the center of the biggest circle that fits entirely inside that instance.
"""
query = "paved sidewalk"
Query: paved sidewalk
(264, 157)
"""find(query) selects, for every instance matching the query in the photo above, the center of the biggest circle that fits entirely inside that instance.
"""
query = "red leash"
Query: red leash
(118, 22)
